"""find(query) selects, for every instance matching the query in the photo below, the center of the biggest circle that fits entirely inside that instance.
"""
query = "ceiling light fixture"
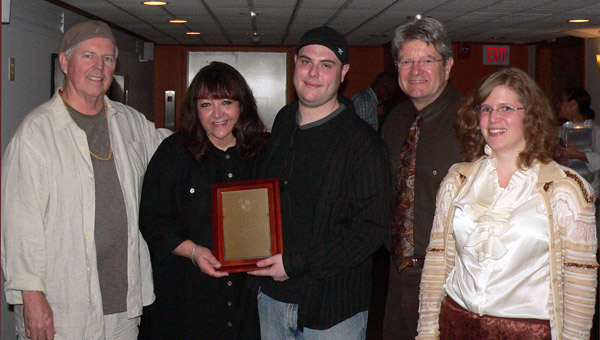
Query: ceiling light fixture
(255, 37)
(579, 20)
(250, 14)
(178, 21)
(416, 17)
(193, 33)
(154, 3)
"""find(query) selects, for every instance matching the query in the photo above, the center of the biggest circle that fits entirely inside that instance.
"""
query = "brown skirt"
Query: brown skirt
(458, 323)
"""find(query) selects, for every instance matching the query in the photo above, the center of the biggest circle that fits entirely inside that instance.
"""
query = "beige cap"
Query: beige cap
(84, 31)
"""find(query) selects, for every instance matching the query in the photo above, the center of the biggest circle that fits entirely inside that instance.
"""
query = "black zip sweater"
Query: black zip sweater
(352, 217)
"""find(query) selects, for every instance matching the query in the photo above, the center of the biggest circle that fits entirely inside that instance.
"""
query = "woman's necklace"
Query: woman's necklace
(110, 150)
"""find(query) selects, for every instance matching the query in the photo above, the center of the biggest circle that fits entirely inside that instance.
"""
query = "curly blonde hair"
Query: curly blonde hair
(539, 126)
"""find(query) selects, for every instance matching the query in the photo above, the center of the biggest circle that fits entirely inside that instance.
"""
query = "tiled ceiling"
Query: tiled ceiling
(363, 22)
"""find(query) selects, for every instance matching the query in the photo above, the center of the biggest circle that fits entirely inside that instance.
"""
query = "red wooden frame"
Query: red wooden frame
(243, 265)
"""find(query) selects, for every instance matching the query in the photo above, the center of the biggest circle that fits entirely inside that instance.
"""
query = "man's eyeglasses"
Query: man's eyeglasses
(423, 63)
(502, 111)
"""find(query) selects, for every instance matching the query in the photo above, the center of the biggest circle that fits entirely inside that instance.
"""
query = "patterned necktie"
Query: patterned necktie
(402, 228)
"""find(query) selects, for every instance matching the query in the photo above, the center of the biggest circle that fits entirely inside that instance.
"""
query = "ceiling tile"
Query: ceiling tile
(366, 22)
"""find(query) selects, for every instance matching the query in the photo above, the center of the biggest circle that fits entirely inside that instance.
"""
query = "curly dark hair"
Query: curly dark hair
(221, 81)
(539, 126)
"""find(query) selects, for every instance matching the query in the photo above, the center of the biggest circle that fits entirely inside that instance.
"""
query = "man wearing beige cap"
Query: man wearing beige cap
(75, 264)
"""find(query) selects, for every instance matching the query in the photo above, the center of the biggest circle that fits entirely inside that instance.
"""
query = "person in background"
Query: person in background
(75, 264)
(513, 246)
(219, 137)
(420, 137)
(575, 112)
(366, 101)
(574, 107)
(335, 203)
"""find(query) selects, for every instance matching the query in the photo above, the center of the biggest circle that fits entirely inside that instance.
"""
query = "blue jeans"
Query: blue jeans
(279, 321)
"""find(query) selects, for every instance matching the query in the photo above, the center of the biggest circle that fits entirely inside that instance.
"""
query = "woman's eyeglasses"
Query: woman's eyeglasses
(502, 111)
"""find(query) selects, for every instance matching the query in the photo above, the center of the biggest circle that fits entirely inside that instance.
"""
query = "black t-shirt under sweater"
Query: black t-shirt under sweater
(300, 182)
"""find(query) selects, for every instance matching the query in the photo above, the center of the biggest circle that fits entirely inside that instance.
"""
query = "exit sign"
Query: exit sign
(496, 55)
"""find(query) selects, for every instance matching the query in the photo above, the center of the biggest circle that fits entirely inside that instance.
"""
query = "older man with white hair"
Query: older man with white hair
(75, 264)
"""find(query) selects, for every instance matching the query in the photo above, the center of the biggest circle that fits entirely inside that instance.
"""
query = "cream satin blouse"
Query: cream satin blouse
(502, 246)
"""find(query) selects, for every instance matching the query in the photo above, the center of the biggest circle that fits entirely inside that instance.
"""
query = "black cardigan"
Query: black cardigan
(352, 218)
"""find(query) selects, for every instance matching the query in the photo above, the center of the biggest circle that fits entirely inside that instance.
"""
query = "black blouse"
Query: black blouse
(176, 206)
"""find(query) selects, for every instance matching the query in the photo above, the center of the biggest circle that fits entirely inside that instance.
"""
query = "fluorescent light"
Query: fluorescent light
(154, 3)
(579, 20)
(178, 21)
(193, 33)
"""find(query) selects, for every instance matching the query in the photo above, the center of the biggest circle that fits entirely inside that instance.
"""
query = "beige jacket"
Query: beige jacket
(573, 245)
(48, 214)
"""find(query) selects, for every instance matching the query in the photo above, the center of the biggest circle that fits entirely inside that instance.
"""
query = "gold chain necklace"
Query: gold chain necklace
(110, 150)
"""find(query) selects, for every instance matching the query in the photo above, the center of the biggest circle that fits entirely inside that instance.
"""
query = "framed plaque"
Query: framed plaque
(246, 223)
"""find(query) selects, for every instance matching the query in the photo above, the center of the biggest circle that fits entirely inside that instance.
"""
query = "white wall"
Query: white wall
(32, 35)
(592, 79)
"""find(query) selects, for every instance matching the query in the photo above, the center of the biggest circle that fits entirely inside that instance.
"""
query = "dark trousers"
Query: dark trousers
(402, 305)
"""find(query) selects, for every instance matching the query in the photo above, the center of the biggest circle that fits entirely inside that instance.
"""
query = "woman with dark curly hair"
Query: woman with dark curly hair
(580, 148)
(513, 244)
(219, 136)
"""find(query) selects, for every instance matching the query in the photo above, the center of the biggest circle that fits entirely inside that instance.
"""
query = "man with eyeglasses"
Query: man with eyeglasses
(421, 140)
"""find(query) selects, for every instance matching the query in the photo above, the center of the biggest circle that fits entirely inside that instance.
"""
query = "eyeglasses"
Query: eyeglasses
(502, 111)
(423, 63)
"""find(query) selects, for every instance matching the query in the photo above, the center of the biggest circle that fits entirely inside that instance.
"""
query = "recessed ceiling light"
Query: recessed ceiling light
(178, 21)
(154, 3)
(193, 33)
(579, 20)
(250, 14)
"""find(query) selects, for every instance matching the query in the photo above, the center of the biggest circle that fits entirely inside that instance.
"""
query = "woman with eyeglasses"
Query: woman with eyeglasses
(513, 246)
(220, 135)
